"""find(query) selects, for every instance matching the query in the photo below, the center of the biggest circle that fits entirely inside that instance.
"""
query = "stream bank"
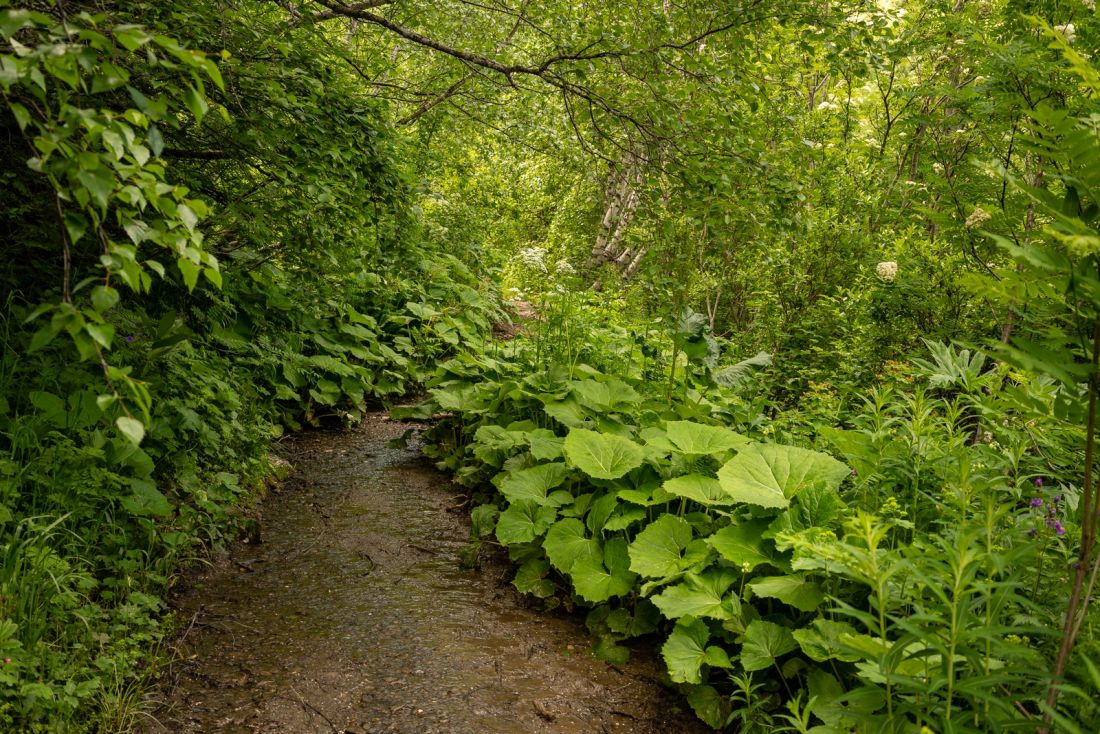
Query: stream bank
(354, 615)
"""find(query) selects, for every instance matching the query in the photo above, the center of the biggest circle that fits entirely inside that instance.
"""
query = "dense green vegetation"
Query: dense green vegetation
(804, 390)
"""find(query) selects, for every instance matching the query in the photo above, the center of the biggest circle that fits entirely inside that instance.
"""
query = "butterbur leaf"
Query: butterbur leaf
(697, 438)
(545, 446)
(686, 651)
(566, 543)
(531, 578)
(624, 517)
(821, 641)
(709, 705)
(522, 522)
(609, 651)
(793, 589)
(769, 475)
(533, 483)
(658, 551)
(742, 543)
(567, 412)
(764, 643)
(598, 581)
(701, 595)
(602, 456)
(609, 395)
(698, 488)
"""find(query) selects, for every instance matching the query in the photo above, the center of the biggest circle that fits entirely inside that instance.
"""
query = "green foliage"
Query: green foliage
(216, 280)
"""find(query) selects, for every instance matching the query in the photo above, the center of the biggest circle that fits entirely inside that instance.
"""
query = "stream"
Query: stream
(353, 615)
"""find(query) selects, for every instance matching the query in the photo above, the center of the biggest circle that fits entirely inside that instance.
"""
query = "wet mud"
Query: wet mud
(354, 615)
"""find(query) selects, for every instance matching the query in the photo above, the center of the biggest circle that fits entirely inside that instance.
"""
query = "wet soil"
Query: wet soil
(354, 615)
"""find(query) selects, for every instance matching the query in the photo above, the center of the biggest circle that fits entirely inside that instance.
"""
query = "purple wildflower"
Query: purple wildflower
(1059, 529)
(1038, 481)
(129, 337)
(1056, 499)
(1037, 502)
(854, 472)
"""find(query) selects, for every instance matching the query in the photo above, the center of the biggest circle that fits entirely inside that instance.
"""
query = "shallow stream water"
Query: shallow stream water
(353, 615)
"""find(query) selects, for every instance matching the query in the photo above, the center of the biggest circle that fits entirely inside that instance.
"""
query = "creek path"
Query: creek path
(353, 615)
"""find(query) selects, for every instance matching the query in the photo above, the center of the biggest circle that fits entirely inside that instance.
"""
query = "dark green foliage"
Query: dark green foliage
(138, 403)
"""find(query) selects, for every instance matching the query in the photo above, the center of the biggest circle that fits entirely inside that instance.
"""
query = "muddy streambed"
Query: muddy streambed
(354, 615)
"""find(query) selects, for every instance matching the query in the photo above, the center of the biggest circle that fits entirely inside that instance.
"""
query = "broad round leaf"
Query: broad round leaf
(764, 642)
(792, 589)
(702, 489)
(658, 550)
(698, 438)
(769, 475)
(598, 581)
(532, 483)
(742, 544)
(566, 543)
(601, 456)
(702, 595)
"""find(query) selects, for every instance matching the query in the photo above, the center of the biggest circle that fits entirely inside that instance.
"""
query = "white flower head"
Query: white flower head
(1091, 5)
(887, 271)
(977, 217)
(562, 267)
(534, 257)
(1068, 31)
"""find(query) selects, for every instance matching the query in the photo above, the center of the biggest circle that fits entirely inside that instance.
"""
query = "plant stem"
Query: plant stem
(1078, 603)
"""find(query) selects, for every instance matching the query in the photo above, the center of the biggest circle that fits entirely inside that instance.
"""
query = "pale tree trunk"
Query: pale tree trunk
(623, 195)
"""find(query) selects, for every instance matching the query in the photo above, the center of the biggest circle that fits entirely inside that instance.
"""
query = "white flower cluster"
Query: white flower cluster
(1091, 5)
(564, 268)
(977, 218)
(1068, 31)
(534, 257)
(887, 271)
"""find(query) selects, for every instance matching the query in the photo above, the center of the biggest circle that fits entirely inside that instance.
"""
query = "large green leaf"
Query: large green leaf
(566, 543)
(742, 543)
(602, 456)
(769, 475)
(686, 651)
(532, 483)
(531, 578)
(822, 641)
(815, 507)
(609, 395)
(702, 489)
(792, 589)
(545, 446)
(460, 397)
(522, 522)
(146, 499)
(701, 595)
(698, 438)
(597, 580)
(623, 517)
(658, 550)
(764, 642)
(709, 705)
(567, 412)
